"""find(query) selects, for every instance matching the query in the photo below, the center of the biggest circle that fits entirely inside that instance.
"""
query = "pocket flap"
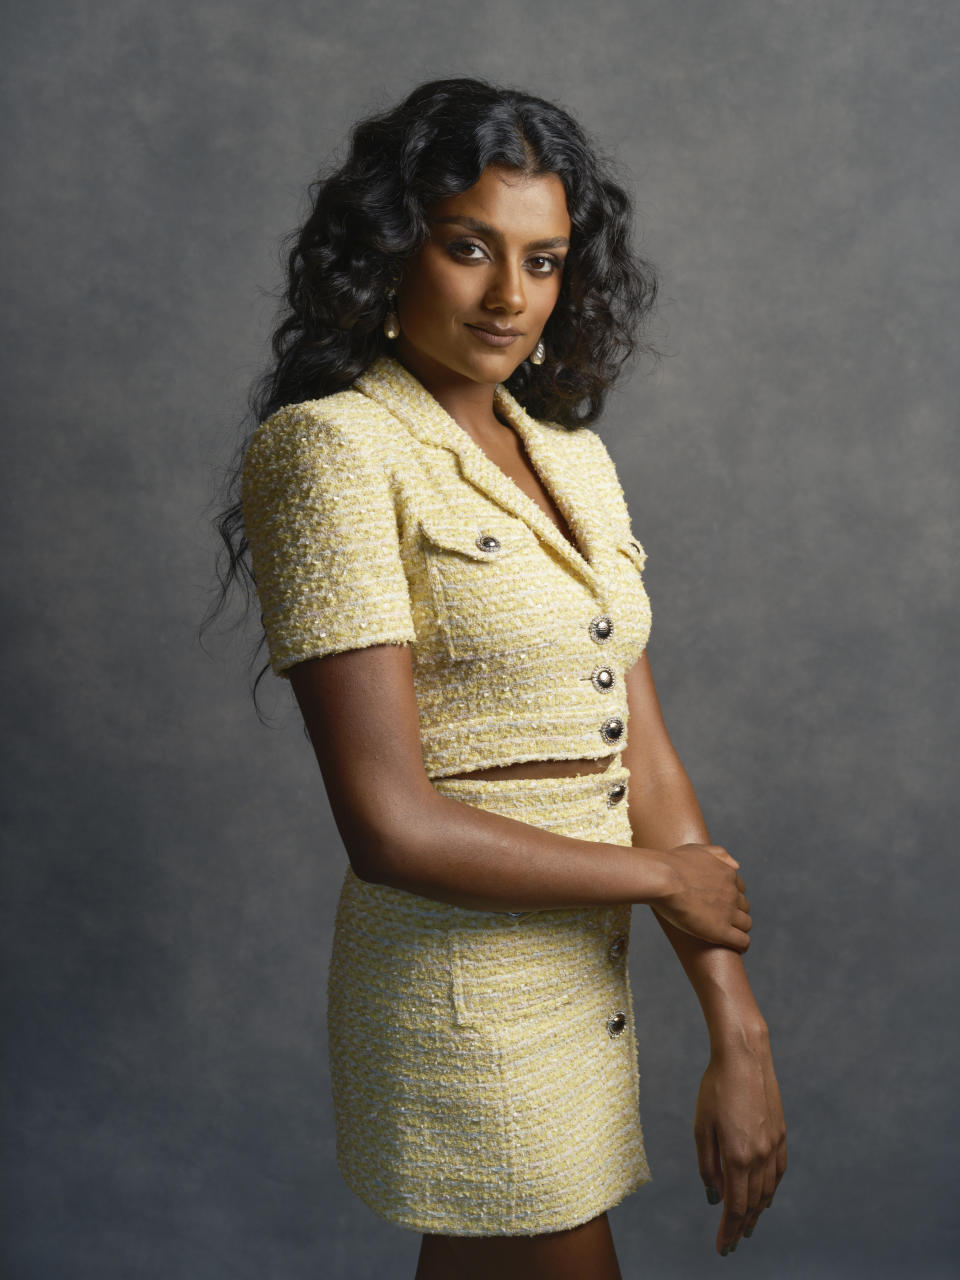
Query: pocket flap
(482, 539)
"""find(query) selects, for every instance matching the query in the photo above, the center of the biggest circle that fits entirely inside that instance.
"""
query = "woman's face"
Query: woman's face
(473, 301)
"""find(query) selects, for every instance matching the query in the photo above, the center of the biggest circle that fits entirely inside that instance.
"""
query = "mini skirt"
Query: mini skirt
(483, 1063)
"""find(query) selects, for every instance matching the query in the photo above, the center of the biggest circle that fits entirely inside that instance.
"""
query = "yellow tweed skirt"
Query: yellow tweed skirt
(484, 1065)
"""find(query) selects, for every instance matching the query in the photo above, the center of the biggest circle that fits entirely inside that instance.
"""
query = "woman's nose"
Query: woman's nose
(506, 289)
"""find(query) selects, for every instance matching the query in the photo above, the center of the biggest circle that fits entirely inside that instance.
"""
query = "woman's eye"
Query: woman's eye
(467, 249)
(540, 264)
(544, 265)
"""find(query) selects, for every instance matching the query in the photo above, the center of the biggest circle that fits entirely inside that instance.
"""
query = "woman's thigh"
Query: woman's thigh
(582, 1251)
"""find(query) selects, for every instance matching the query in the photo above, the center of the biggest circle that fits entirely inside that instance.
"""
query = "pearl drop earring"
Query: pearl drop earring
(391, 322)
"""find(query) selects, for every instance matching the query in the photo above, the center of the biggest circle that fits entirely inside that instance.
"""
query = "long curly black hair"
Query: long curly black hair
(367, 219)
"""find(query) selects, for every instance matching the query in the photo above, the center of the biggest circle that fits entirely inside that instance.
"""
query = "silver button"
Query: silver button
(602, 679)
(487, 542)
(601, 628)
(617, 947)
(616, 1025)
(616, 793)
(612, 730)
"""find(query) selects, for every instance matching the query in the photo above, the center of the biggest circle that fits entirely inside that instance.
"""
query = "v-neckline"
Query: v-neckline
(401, 392)
(506, 422)
(526, 428)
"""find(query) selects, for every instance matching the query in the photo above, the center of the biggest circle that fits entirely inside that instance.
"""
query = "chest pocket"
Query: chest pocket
(483, 574)
(634, 604)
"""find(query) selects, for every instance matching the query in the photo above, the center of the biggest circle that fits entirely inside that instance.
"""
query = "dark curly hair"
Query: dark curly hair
(367, 220)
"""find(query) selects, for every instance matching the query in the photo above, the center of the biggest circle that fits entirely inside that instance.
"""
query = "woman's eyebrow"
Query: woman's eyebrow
(474, 224)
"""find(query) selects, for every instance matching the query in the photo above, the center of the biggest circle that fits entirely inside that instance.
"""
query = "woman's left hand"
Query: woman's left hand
(741, 1136)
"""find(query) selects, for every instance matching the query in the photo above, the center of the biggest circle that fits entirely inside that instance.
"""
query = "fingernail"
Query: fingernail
(749, 1232)
(724, 1251)
(733, 1247)
(713, 1195)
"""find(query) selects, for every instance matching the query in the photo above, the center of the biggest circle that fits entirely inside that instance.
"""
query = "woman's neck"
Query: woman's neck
(469, 403)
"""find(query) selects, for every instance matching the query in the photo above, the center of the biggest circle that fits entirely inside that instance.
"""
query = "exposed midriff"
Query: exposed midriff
(538, 769)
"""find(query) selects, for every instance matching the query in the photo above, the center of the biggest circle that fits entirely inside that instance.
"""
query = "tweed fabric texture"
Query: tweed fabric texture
(373, 518)
(484, 1065)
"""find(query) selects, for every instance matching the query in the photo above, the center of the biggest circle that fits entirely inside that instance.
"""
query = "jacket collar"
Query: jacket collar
(404, 396)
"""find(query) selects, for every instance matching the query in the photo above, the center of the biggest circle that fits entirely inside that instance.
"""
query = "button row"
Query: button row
(603, 680)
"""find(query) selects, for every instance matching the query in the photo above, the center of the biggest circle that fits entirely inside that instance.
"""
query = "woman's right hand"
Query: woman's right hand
(706, 896)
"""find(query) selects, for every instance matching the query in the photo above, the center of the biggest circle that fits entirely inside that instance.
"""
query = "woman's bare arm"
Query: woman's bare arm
(664, 812)
(361, 713)
(739, 1130)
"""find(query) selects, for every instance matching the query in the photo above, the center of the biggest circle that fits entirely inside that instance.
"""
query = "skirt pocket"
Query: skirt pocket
(526, 969)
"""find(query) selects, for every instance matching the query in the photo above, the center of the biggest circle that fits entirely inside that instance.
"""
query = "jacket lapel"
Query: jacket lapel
(549, 448)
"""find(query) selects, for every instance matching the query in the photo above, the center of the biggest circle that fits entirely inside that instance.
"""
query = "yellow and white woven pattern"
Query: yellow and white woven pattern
(484, 1065)
(373, 518)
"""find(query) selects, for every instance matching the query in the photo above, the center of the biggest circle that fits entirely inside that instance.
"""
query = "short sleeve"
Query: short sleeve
(320, 519)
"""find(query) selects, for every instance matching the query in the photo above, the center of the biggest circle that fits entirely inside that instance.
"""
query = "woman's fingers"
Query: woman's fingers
(710, 902)
(736, 939)
(739, 1129)
(755, 1196)
(768, 1186)
(736, 1203)
(766, 1168)
(708, 1162)
(780, 1164)
(748, 1182)
(720, 852)
(778, 1157)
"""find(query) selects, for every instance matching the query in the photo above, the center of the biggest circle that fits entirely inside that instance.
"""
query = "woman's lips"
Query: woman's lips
(493, 339)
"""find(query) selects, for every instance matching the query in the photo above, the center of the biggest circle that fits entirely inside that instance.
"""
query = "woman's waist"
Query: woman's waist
(532, 745)
(553, 768)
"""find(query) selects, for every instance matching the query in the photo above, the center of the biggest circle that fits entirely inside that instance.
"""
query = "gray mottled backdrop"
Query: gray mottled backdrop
(171, 865)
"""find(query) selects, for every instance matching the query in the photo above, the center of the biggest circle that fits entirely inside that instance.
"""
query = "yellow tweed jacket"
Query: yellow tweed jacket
(373, 518)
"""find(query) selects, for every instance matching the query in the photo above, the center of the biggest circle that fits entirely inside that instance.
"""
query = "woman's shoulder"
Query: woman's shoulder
(343, 412)
(342, 426)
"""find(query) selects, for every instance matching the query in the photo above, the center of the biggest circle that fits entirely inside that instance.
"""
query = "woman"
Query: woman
(449, 579)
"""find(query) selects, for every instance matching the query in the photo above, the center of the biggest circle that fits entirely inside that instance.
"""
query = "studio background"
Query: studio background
(171, 866)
